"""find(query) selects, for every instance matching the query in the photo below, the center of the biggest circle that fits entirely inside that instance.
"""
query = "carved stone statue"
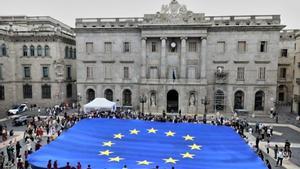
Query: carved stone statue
(152, 99)
(192, 99)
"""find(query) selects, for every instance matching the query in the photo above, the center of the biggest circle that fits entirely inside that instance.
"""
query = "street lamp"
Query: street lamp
(143, 100)
(78, 101)
(205, 102)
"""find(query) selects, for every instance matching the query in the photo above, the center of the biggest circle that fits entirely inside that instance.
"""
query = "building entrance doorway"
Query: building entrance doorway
(90, 95)
(172, 101)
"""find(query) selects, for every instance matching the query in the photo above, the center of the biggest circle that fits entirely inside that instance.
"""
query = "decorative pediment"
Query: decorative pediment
(174, 13)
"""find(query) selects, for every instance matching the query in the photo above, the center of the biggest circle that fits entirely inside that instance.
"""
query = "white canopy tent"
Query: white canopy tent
(100, 104)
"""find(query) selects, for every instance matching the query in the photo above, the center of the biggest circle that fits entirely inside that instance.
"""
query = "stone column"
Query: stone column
(144, 58)
(183, 58)
(203, 57)
(163, 58)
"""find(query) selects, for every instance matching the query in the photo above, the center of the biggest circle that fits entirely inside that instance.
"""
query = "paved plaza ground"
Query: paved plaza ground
(288, 128)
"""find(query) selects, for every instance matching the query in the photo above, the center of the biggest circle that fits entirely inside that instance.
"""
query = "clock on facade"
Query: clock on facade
(173, 44)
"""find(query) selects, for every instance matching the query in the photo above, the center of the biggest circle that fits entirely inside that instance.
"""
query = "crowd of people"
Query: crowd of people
(41, 131)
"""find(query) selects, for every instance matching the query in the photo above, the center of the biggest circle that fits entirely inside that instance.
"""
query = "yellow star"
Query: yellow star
(188, 155)
(170, 160)
(145, 162)
(195, 147)
(115, 159)
(105, 153)
(107, 144)
(152, 130)
(170, 134)
(118, 136)
(134, 131)
(188, 137)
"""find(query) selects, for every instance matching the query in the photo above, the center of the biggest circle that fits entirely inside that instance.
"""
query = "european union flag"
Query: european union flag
(113, 143)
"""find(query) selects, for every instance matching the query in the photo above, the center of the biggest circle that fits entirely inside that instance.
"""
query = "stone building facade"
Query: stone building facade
(296, 81)
(175, 58)
(37, 61)
(286, 67)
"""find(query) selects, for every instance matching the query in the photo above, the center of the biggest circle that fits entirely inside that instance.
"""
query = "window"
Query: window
(126, 72)
(1, 74)
(2, 93)
(242, 46)
(259, 101)
(89, 47)
(107, 71)
(39, 50)
(108, 94)
(126, 47)
(282, 73)
(69, 90)
(239, 100)
(3, 50)
(27, 91)
(32, 50)
(107, 47)
(69, 72)
(262, 73)
(89, 72)
(192, 46)
(219, 100)
(45, 72)
(153, 47)
(46, 91)
(74, 53)
(191, 72)
(221, 47)
(47, 50)
(127, 97)
(282, 90)
(240, 73)
(281, 96)
(66, 52)
(71, 53)
(153, 73)
(25, 50)
(27, 71)
(284, 52)
(263, 46)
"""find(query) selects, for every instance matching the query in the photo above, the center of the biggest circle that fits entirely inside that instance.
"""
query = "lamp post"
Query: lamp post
(205, 102)
(143, 100)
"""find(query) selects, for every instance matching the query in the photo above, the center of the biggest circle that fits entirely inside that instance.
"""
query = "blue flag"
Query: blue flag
(113, 143)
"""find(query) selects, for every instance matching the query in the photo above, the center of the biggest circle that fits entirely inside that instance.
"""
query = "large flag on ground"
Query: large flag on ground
(112, 143)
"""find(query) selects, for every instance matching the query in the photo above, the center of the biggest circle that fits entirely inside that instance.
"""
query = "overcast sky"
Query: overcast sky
(67, 10)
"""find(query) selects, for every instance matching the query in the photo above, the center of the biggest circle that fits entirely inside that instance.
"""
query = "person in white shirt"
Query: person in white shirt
(279, 157)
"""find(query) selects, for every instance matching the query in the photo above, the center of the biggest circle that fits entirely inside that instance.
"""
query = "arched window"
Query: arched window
(25, 50)
(32, 50)
(239, 100)
(108, 94)
(219, 100)
(39, 50)
(127, 97)
(71, 53)
(69, 90)
(90, 95)
(47, 50)
(259, 101)
(3, 50)
(74, 53)
(66, 52)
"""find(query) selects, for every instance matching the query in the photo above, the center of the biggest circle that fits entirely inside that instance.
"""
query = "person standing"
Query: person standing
(268, 164)
(89, 167)
(275, 151)
(257, 143)
(268, 147)
(18, 148)
(49, 165)
(2, 159)
(68, 166)
(55, 165)
(78, 165)
(279, 158)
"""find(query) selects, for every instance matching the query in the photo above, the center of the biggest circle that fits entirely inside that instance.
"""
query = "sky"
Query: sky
(67, 10)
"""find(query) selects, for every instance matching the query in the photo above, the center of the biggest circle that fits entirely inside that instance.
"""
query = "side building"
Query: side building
(37, 61)
(286, 63)
(180, 61)
(296, 81)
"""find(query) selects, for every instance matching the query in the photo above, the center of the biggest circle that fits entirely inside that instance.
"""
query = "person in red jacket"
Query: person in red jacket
(55, 166)
(49, 165)
(68, 166)
(78, 165)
